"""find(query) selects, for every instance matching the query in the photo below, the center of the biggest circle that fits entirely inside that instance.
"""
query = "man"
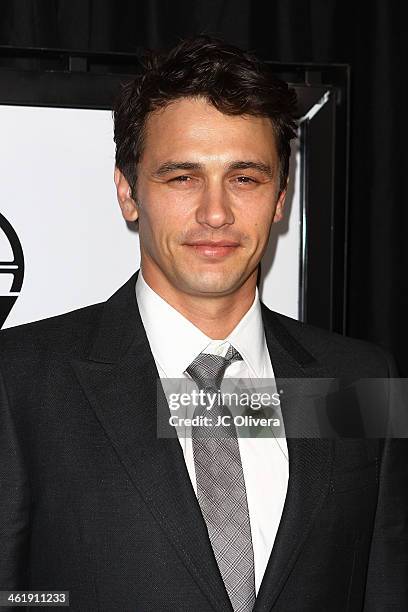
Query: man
(94, 501)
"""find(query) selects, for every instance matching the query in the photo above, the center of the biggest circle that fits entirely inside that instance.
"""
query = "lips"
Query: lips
(210, 248)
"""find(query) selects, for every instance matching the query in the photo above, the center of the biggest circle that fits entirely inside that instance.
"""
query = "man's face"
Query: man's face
(206, 196)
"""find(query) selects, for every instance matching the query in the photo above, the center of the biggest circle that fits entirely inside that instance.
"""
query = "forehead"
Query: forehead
(193, 127)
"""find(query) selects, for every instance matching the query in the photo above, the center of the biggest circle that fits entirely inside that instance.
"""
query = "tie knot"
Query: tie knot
(207, 370)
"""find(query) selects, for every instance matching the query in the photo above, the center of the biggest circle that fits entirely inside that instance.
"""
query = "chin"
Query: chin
(212, 283)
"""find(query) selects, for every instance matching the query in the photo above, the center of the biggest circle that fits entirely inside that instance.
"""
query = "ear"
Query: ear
(280, 205)
(124, 194)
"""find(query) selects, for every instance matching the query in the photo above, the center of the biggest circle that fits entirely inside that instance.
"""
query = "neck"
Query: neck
(215, 316)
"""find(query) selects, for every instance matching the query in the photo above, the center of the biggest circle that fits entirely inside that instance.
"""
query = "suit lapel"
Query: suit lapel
(120, 381)
(310, 461)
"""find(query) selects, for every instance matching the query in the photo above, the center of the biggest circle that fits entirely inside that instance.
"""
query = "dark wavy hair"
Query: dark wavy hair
(234, 81)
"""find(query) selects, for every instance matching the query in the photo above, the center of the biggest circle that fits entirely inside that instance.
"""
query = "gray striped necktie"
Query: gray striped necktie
(221, 487)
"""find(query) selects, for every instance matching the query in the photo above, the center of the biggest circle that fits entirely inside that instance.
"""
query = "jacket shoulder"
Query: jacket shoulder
(342, 354)
(68, 333)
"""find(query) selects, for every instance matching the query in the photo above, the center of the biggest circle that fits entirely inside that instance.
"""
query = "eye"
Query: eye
(180, 179)
(245, 180)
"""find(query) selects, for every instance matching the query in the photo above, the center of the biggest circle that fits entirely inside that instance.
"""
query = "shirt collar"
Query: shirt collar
(248, 337)
(175, 341)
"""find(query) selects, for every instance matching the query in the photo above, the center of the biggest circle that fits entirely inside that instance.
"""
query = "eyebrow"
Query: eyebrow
(252, 165)
(173, 166)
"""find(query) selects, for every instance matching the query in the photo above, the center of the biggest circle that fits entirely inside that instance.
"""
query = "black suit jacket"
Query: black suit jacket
(94, 503)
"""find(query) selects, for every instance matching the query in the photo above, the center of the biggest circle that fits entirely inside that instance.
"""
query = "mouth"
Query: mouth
(213, 249)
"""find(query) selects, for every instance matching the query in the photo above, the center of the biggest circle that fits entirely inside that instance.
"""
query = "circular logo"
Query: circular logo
(13, 268)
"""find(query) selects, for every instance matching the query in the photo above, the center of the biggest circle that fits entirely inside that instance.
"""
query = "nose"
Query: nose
(214, 209)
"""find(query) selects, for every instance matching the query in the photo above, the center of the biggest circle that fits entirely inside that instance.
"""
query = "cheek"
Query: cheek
(166, 207)
(258, 220)
(150, 226)
(169, 224)
(159, 226)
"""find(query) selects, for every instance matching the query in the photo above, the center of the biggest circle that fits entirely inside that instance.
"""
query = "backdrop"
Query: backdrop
(367, 35)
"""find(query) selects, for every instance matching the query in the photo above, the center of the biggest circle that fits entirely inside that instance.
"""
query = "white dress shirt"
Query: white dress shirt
(175, 342)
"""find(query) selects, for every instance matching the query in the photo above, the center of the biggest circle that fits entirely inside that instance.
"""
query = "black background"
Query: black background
(367, 35)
